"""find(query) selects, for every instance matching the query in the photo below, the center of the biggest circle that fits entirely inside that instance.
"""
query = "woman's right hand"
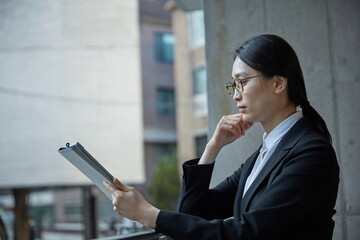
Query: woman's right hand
(229, 128)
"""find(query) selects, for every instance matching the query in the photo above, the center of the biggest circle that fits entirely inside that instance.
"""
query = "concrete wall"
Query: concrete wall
(325, 35)
(69, 71)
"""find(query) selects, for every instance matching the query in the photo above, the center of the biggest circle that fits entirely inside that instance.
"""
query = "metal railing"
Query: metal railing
(148, 235)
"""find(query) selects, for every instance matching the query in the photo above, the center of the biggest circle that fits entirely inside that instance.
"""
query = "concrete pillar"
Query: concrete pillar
(21, 223)
(3, 232)
(325, 34)
(90, 213)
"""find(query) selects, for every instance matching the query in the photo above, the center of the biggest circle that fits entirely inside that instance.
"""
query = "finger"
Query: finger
(234, 123)
(237, 118)
(229, 125)
(231, 118)
(117, 210)
(240, 117)
(249, 125)
(237, 123)
(231, 128)
(121, 186)
(109, 188)
(234, 116)
(242, 128)
(245, 126)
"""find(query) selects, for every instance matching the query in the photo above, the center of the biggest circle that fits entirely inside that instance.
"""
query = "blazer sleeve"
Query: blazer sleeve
(197, 199)
(307, 177)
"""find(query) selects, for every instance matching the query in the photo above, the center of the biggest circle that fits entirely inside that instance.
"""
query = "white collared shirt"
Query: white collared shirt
(269, 145)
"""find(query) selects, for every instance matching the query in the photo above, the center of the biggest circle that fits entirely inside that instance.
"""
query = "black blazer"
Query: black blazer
(293, 197)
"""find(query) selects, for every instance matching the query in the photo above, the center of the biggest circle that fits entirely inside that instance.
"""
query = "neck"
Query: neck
(270, 124)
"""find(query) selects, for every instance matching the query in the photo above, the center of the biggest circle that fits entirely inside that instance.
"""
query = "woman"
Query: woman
(286, 190)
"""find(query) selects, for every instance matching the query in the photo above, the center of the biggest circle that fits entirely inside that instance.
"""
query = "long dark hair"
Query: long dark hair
(272, 55)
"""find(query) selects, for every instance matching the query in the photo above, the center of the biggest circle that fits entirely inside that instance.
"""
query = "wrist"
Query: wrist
(212, 147)
(209, 154)
(149, 216)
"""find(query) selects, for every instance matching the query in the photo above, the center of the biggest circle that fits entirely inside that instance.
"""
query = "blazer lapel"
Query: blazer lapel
(286, 143)
(248, 165)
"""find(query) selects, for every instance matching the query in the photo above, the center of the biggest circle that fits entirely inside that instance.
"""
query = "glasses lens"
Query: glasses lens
(230, 88)
(238, 85)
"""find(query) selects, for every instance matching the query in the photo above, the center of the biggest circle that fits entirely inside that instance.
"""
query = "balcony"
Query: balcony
(148, 235)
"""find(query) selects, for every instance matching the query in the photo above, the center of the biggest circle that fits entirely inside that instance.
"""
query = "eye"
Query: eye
(244, 82)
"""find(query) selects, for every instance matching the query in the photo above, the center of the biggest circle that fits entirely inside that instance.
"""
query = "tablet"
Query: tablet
(87, 164)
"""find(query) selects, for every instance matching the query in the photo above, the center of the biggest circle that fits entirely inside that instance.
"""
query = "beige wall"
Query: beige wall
(187, 121)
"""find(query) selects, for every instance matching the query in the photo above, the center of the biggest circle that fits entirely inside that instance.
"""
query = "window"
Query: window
(73, 212)
(165, 102)
(199, 81)
(43, 215)
(165, 151)
(164, 47)
(200, 142)
(196, 29)
(199, 89)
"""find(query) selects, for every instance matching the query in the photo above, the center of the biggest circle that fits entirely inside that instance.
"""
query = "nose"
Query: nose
(237, 96)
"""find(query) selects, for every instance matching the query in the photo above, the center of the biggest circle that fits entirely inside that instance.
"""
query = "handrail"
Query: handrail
(147, 235)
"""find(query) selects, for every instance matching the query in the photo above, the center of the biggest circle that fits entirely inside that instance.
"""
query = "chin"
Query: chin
(249, 118)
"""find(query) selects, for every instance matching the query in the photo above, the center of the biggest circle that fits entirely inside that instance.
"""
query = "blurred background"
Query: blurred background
(140, 84)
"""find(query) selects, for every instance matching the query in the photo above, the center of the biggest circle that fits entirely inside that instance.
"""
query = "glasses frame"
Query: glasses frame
(234, 85)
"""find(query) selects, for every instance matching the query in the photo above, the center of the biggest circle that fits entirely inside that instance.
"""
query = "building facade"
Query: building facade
(157, 69)
(190, 82)
(113, 62)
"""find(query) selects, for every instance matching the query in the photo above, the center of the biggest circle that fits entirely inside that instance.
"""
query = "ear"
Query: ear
(280, 84)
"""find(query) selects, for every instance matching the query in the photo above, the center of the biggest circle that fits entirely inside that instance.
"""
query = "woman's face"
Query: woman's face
(256, 102)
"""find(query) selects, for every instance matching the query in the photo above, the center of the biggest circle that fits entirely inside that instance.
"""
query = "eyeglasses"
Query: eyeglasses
(237, 85)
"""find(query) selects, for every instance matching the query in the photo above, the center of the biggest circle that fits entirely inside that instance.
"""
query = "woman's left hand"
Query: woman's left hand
(129, 203)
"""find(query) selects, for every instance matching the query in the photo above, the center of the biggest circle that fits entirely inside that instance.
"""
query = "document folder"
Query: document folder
(87, 164)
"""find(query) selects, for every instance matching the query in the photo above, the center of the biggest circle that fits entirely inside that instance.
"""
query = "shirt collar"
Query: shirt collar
(280, 130)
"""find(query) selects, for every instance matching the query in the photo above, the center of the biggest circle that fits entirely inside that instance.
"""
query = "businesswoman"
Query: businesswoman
(285, 190)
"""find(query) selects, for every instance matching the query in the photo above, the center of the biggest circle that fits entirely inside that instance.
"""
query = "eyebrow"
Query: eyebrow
(240, 73)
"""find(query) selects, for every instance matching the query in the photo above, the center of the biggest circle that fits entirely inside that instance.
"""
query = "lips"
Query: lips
(241, 108)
